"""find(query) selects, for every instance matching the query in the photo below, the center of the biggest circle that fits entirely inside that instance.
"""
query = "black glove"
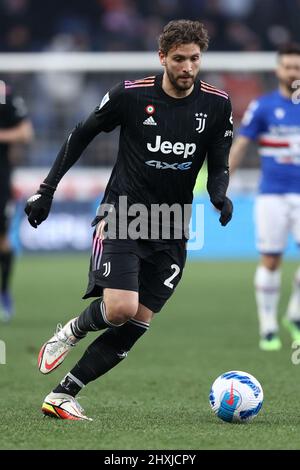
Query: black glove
(38, 206)
(226, 208)
(226, 212)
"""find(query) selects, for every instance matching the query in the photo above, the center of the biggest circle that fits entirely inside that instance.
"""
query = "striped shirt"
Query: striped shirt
(274, 122)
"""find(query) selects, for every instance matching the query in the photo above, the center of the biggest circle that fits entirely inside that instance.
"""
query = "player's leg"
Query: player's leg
(292, 318)
(102, 355)
(159, 275)
(113, 310)
(115, 271)
(272, 227)
(267, 289)
(6, 259)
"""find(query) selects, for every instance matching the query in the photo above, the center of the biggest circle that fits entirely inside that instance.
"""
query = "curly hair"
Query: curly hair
(179, 32)
(291, 48)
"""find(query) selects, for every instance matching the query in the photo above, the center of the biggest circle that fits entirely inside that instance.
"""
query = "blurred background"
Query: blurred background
(58, 98)
(133, 25)
(62, 57)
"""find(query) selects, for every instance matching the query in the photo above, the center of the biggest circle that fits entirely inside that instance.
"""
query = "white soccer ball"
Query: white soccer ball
(236, 396)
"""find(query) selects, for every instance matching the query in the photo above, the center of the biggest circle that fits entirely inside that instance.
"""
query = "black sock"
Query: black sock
(69, 385)
(106, 352)
(93, 318)
(6, 263)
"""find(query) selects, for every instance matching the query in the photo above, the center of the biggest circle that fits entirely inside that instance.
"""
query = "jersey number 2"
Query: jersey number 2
(168, 282)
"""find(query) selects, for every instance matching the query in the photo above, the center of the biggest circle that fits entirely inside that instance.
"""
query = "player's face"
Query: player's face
(182, 64)
(288, 70)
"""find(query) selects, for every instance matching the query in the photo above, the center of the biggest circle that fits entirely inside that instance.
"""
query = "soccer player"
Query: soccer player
(169, 124)
(273, 120)
(15, 127)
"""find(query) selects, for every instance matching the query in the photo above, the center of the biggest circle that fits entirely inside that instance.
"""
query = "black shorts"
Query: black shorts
(153, 269)
(5, 204)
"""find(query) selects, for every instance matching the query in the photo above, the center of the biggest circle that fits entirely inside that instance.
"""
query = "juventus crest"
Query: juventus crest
(201, 118)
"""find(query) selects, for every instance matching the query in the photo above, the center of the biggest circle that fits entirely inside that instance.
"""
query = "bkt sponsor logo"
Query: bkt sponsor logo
(169, 166)
(167, 147)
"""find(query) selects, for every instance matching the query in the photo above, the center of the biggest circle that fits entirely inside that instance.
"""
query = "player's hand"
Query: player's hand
(225, 206)
(38, 206)
(226, 212)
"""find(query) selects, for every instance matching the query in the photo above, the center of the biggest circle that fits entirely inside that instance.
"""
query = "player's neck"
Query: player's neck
(170, 90)
(284, 91)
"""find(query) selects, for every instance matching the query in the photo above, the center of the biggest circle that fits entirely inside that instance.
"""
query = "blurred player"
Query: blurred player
(169, 124)
(273, 121)
(15, 127)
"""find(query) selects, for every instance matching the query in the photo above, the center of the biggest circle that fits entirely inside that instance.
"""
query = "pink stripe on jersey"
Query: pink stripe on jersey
(139, 85)
(97, 252)
(215, 93)
(213, 88)
(141, 80)
(94, 250)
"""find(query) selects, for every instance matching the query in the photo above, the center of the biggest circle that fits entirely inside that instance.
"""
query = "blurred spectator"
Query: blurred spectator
(30, 25)
(239, 37)
(59, 100)
(236, 8)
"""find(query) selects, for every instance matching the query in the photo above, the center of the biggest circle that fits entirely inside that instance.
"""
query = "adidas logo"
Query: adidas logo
(150, 122)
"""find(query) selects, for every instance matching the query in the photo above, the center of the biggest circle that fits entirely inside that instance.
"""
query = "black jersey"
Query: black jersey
(164, 140)
(162, 145)
(11, 114)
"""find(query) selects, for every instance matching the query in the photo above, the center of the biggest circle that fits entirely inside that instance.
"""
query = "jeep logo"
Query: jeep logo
(167, 147)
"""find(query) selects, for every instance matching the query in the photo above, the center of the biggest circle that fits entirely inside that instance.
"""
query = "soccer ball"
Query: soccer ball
(236, 396)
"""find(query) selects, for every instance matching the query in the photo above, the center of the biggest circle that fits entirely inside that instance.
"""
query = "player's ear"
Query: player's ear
(162, 57)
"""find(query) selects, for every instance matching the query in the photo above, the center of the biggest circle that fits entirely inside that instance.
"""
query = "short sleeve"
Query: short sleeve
(253, 123)
(16, 110)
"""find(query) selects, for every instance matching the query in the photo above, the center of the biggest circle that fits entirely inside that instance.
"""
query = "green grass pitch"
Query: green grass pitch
(157, 398)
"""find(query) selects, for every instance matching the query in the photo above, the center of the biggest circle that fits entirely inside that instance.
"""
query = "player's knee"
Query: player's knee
(270, 262)
(121, 311)
(4, 243)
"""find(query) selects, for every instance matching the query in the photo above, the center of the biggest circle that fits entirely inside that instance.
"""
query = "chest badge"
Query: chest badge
(200, 121)
(279, 113)
(150, 121)
(150, 109)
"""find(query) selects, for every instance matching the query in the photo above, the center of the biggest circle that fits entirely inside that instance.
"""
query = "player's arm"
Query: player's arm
(18, 127)
(21, 133)
(105, 117)
(237, 152)
(251, 126)
(217, 164)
